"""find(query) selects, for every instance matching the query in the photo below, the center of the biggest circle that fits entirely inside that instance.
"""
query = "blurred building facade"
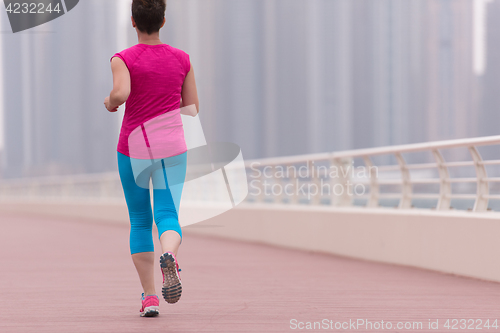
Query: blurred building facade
(277, 77)
(55, 79)
(294, 77)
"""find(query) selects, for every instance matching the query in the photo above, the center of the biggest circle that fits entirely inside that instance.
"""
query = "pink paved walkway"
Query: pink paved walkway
(76, 276)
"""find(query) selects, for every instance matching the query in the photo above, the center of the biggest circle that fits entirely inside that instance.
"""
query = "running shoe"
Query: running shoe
(150, 306)
(172, 288)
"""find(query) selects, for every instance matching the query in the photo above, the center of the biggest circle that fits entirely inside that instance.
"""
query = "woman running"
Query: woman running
(156, 80)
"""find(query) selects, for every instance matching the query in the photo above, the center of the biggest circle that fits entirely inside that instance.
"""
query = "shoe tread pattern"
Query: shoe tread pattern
(172, 287)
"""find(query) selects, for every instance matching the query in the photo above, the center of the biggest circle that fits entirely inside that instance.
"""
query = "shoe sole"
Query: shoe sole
(172, 287)
(151, 311)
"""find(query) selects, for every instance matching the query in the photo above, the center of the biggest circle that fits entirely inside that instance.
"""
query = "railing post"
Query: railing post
(281, 183)
(343, 167)
(374, 186)
(294, 179)
(315, 179)
(262, 179)
(444, 185)
(481, 203)
(406, 189)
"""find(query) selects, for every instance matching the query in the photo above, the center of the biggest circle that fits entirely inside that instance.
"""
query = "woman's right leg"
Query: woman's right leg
(141, 224)
(168, 183)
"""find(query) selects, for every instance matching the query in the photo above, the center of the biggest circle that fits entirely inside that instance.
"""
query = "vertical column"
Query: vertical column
(3, 160)
(399, 72)
(314, 66)
(244, 75)
(343, 62)
(479, 38)
(123, 25)
(26, 73)
(381, 63)
(270, 80)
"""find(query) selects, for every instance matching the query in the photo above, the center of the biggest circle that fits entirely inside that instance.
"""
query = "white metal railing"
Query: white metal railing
(281, 180)
(401, 171)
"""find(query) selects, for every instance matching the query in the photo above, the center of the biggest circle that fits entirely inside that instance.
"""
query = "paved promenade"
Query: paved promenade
(74, 276)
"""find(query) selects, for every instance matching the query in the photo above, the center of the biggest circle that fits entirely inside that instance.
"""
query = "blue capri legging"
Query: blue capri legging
(166, 199)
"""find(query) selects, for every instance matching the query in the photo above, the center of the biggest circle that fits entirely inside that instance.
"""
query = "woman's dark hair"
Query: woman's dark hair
(148, 14)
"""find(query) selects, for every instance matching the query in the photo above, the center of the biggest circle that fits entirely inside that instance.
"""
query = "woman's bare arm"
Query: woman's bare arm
(189, 92)
(121, 85)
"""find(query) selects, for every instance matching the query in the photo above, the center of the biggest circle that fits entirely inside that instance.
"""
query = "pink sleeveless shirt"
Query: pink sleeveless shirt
(152, 113)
